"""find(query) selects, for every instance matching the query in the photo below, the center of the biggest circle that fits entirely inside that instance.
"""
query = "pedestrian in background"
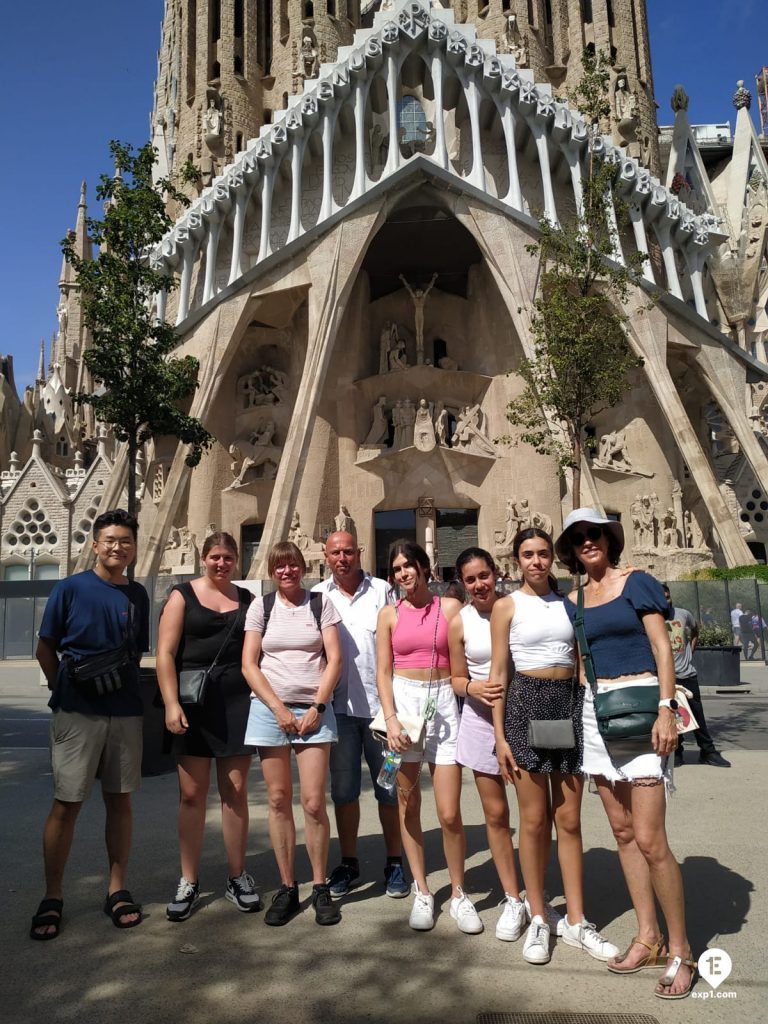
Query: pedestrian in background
(683, 636)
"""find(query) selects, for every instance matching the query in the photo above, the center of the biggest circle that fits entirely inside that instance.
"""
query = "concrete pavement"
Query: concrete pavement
(227, 967)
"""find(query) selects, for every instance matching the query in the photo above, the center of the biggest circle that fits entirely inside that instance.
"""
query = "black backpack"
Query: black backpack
(315, 603)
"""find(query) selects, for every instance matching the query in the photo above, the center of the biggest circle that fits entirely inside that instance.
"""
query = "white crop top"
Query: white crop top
(477, 642)
(540, 634)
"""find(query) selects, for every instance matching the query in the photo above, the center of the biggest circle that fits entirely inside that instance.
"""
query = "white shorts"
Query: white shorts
(442, 729)
(597, 760)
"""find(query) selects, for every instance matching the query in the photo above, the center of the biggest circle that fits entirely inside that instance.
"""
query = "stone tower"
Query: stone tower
(225, 65)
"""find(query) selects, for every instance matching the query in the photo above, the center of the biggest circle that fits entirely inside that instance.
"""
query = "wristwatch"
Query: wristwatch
(669, 702)
(321, 707)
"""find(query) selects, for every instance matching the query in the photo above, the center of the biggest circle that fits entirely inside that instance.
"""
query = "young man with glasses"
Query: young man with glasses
(358, 597)
(94, 629)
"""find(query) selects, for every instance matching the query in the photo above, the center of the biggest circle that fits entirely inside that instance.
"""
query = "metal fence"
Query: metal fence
(22, 605)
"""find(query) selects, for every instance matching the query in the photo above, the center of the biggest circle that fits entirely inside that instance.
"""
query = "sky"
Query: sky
(79, 74)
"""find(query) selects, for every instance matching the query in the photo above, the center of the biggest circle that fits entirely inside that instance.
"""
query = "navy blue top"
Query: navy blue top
(87, 615)
(615, 629)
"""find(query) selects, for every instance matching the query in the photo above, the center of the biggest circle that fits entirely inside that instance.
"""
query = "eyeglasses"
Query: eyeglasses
(124, 544)
(593, 533)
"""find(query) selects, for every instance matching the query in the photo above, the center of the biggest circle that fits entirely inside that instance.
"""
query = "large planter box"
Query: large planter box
(718, 666)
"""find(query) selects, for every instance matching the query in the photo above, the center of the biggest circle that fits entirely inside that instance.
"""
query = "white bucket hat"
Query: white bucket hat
(563, 545)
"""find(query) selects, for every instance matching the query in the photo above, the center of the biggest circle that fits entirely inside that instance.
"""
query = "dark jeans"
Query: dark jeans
(704, 740)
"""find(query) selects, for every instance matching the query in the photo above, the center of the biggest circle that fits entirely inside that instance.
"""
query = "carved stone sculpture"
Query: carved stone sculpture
(379, 431)
(441, 424)
(265, 386)
(612, 452)
(694, 538)
(262, 460)
(212, 121)
(644, 522)
(669, 529)
(424, 428)
(384, 342)
(309, 62)
(180, 556)
(343, 522)
(398, 440)
(396, 357)
(470, 432)
(419, 297)
(679, 99)
(408, 419)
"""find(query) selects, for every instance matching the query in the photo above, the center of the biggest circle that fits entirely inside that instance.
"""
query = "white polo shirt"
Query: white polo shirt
(356, 693)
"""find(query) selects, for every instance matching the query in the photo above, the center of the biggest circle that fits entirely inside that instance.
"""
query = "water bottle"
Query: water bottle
(389, 769)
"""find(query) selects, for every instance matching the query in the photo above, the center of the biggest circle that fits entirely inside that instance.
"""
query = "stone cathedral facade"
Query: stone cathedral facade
(354, 280)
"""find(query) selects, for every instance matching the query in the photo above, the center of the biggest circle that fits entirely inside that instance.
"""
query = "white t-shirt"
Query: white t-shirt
(736, 614)
(356, 692)
(293, 656)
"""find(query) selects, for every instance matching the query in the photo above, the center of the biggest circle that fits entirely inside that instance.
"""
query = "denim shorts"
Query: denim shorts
(263, 731)
(355, 742)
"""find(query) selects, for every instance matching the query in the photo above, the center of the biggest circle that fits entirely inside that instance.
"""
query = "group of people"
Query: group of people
(309, 672)
(748, 628)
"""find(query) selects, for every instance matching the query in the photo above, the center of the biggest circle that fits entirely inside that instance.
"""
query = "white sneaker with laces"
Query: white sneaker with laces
(464, 914)
(536, 945)
(555, 919)
(242, 892)
(514, 918)
(585, 936)
(423, 911)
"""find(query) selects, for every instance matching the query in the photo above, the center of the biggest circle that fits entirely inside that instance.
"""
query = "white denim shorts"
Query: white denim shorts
(597, 760)
(442, 729)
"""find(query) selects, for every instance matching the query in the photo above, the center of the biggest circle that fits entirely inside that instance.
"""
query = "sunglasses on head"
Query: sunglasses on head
(593, 533)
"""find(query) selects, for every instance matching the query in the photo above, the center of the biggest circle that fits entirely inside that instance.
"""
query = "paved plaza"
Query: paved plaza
(223, 967)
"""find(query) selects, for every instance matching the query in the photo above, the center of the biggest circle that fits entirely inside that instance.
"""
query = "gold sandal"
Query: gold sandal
(655, 957)
(667, 980)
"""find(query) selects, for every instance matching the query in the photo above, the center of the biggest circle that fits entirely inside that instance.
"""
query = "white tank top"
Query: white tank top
(477, 642)
(540, 634)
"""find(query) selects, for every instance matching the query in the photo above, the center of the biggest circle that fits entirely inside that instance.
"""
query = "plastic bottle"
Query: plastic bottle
(389, 769)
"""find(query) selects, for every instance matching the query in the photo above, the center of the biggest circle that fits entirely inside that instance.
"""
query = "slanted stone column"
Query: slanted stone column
(332, 265)
(648, 331)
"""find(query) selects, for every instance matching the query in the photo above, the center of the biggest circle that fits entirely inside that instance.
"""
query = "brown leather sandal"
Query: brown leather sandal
(667, 979)
(655, 958)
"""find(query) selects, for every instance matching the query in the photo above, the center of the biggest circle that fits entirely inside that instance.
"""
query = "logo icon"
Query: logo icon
(714, 966)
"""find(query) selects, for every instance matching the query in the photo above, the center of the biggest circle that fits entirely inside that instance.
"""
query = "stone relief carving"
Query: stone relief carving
(471, 434)
(441, 424)
(180, 555)
(312, 550)
(673, 530)
(424, 428)
(265, 386)
(396, 356)
(343, 521)
(309, 61)
(669, 537)
(419, 297)
(644, 522)
(613, 455)
(694, 538)
(379, 431)
(261, 462)
(518, 515)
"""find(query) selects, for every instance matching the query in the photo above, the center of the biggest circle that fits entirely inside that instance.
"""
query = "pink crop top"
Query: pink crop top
(414, 634)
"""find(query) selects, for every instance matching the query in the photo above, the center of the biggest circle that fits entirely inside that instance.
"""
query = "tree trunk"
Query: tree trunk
(577, 456)
(132, 450)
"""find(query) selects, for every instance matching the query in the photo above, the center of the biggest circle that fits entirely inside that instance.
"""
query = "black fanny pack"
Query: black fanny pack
(99, 674)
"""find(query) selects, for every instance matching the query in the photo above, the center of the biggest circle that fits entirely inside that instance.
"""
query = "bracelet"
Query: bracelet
(393, 715)
(466, 691)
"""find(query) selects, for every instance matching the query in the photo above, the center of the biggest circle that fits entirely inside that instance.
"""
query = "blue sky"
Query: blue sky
(78, 74)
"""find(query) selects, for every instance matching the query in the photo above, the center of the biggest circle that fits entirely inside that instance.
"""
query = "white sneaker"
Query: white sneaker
(536, 945)
(422, 912)
(555, 919)
(585, 936)
(464, 914)
(514, 918)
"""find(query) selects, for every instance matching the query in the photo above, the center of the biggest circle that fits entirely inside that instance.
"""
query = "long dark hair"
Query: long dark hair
(469, 554)
(531, 533)
(413, 553)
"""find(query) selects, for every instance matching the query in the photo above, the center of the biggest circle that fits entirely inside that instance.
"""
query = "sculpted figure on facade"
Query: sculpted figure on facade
(384, 342)
(212, 119)
(612, 452)
(396, 353)
(265, 386)
(408, 419)
(419, 297)
(470, 434)
(180, 554)
(644, 522)
(379, 431)
(694, 538)
(309, 62)
(441, 424)
(343, 521)
(398, 440)
(424, 428)
(669, 529)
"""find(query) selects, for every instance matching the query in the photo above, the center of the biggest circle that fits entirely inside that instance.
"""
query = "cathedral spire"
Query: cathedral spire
(41, 363)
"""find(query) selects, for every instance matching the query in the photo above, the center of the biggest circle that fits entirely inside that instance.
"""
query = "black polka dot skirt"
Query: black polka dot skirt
(531, 698)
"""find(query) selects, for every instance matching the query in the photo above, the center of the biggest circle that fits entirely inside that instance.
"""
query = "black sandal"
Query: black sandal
(44, 919)
(118, 913)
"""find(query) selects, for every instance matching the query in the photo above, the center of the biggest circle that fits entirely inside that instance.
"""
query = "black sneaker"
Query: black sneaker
(285, 905)
(343, 878)
(325, 911)
(715, 759)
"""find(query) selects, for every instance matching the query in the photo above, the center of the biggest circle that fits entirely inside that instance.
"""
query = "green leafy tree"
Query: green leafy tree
(140, 388)
(582, 359)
